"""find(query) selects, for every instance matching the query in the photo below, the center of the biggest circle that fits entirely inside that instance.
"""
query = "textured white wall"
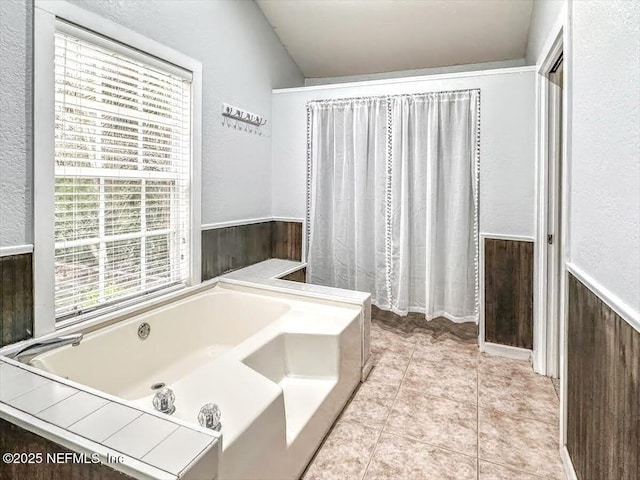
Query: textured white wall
(243, 60)
(543, 17)
(507, 165)
(605, 160)
(15, 123)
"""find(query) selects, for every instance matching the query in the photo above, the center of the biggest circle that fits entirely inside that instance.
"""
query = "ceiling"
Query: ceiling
(328, 38)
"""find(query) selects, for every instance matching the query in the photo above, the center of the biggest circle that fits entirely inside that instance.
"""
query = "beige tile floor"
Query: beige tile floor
(434, 408)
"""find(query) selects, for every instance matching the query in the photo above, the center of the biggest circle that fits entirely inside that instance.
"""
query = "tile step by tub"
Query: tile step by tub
(84, 421)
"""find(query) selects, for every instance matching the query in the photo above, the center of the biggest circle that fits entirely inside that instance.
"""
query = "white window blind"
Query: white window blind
(122, 174)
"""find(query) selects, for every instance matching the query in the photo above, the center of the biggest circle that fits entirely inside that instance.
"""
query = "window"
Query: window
(122, 173)
(117, 146)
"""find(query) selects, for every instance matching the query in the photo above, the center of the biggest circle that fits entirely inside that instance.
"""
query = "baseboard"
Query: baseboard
(536, 366)
(506, 351)
(569, 471)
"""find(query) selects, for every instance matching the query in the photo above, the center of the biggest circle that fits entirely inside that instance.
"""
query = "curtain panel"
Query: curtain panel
(393, 200)
(348, 204)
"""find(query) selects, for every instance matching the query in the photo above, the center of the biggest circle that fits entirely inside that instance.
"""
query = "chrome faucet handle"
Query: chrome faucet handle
(163, 401)
(209, 417)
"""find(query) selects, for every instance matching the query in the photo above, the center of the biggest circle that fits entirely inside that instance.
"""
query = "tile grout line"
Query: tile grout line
(96, 441)
(11, 399)
(511, 467)
(418, 440)
(375, 446)
(81, 418)
(438, 397)
(519, 416)
(162, 440)
(55, 403)
(515, 416)
(515, 377)
(443, 397)
(102, 442)
(433, 445)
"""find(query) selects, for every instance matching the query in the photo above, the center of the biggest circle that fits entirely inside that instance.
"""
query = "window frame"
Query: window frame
(47, 14)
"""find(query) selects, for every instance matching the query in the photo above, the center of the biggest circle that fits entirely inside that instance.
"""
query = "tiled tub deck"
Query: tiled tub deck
(148, 445)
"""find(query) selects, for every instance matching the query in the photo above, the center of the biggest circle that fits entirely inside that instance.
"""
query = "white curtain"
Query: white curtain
(347, 207)
(394, 200)
(434, 208)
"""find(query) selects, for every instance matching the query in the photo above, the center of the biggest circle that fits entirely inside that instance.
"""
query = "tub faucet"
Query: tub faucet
(163, 401)
(26, 354)
(209, 417)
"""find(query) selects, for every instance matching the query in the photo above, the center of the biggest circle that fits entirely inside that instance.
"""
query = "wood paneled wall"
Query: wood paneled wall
(286, 240)
(230, 248)
(14, 439)
(16, 298)
(603, 394)
(508, 292)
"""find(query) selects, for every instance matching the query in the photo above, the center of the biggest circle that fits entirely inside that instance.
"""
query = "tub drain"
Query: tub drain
(157, 386)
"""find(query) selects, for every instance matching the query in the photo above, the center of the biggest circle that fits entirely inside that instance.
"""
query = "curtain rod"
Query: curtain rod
(368, 98)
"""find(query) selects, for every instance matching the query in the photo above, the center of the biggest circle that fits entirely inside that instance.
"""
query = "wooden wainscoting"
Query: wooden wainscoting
(508, 292)
(603, 398)
(16, 298)
(14, 439)
(286, 240)
(229, 248)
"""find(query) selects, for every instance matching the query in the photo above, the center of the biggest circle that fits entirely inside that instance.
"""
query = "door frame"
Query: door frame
(547, 351)
(547, 343)
(558, 40)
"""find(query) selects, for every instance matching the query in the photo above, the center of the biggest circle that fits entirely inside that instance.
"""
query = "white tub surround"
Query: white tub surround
(273, 268)
(147, 445)
(115, 360)
(281, 365)
(269, 273)
(264, 274)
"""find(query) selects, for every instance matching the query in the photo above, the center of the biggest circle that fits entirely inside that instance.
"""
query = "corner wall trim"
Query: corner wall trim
(16, 250)
(627, 312)
(507, 351)
(248, 221)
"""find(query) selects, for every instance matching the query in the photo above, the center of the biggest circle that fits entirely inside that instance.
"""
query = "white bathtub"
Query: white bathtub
(280, 367)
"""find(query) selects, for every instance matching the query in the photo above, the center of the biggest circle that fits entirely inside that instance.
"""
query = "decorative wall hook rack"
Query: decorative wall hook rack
(242, 115)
